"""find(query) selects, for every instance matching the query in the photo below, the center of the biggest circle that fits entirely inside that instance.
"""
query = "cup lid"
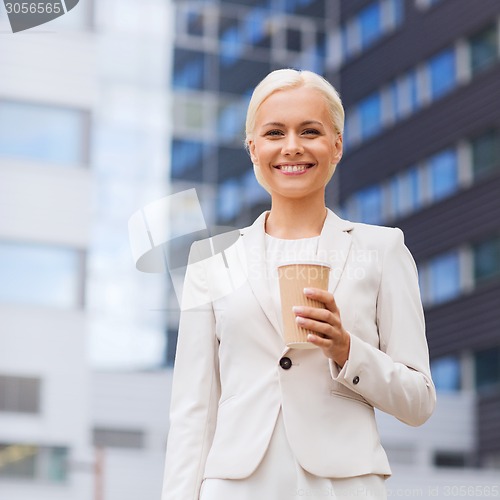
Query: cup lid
(304, 261)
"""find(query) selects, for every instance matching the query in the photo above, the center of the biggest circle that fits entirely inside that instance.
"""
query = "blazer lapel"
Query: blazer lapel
(334, 246)
(253, 238)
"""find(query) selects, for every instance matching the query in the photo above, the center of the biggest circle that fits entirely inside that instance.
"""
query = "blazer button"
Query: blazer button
(285, 363)
(355, 380)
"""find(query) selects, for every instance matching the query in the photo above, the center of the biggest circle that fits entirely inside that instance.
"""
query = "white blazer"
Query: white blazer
(228, 384)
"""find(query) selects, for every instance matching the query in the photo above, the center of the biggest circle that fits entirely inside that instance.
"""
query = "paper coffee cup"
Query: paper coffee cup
(293, 278)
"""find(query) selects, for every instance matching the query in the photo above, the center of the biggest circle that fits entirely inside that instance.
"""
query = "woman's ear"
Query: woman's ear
(251, 151)
(338, 148)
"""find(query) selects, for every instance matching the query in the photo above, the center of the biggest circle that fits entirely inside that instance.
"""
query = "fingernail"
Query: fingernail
(299, 319)
(308, 291)
(310, 337)
(297, 309)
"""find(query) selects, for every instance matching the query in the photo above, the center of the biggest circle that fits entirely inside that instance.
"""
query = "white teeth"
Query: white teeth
(293, 168)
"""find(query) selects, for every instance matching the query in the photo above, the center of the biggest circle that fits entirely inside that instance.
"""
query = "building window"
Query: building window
(370, 116)
(36, 463)
(231, 122)
(450, 459)
(483, 49)
(370, 24)
(231, 42)
(118, 438)
(43, 133)
(194, 20)
(397, 10)
(256, 27)
(487, 368)
(444, 278)
(485, 153)
(486, 259)
(405, 192)
(229, 199)
(41, 274)
(191, 113)
(446, 374)
(442, 73)
(443, 174)
(189, 69)
(19, 394)
(186, 155)
(293, 39)
(369, 205)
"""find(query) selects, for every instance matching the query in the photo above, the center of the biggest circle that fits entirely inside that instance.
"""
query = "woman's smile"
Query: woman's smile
(294, 168)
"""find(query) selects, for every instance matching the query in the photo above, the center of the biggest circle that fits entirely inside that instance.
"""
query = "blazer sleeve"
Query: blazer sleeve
(396, 377)
(195, 389)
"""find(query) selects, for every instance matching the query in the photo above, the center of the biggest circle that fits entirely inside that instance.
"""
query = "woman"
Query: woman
(251, 418)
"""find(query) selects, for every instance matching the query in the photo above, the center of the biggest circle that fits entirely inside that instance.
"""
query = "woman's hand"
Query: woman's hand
(326, 323)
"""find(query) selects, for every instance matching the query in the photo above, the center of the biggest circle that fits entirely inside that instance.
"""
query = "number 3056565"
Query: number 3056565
(33, 8)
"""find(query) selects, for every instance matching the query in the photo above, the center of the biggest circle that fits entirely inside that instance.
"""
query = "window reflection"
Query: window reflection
(370, 24)
(370, 111)
(229, 200)
(42, 133)
(186, 155)
(444, 277)
(487, 368)
(486, 259)
(29, 462)
(40, 274)
(446, 374)
(369, 205)
(443, 170)
(485, 153)
(442, 73)
(483, 49)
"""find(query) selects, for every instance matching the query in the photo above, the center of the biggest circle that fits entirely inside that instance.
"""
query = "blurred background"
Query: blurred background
(119, 103)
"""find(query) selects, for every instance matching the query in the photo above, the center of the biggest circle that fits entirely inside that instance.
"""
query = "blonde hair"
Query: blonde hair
(285, 79)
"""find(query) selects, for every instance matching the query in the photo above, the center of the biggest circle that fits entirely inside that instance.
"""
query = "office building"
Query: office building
(422, 152)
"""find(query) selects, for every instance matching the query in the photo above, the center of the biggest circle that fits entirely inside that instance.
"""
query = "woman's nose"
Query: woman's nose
(292, 145)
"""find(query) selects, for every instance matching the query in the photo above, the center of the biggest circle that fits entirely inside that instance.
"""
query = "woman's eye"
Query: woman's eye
(311, 131)
(274, 133)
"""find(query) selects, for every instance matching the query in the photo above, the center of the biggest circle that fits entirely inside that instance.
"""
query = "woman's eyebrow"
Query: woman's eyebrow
(279, 124)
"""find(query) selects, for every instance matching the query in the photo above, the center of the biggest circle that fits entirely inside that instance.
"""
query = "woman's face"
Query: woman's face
(294, 143)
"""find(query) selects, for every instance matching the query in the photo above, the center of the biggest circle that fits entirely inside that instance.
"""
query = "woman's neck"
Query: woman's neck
(293, 219)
